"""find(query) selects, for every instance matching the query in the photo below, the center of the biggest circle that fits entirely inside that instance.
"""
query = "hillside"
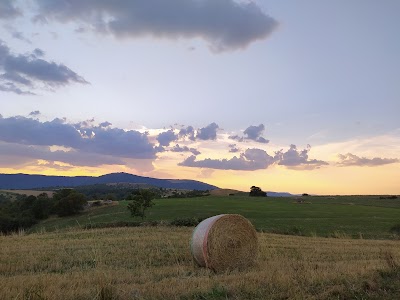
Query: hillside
(25, 181)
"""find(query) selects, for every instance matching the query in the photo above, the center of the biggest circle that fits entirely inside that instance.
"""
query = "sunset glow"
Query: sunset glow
(284, 97)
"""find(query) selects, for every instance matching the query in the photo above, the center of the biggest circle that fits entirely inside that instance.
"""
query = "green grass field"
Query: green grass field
(352, 216)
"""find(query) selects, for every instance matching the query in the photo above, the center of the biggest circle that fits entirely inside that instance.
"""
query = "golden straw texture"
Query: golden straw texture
(230, 242)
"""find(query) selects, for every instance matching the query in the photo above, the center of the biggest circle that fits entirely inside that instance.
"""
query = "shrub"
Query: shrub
(187, 222)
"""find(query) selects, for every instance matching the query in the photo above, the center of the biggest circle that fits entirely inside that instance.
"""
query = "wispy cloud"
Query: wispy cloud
(349, 160)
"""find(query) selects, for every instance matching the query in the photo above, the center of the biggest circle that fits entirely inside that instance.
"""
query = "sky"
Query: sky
(300, 97)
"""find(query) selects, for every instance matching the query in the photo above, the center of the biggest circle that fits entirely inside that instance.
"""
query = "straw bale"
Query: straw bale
(225, 242)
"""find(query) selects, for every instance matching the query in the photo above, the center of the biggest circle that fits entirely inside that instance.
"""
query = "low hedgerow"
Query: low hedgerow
(113, 224)
(187, 222)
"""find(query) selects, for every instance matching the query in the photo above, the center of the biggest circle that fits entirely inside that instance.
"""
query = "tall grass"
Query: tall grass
(155, 263)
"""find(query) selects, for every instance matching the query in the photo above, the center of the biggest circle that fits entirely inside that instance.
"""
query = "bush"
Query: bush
(187, 222)
(9, 224)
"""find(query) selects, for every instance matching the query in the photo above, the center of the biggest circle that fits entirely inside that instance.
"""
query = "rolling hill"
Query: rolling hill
(25, 181)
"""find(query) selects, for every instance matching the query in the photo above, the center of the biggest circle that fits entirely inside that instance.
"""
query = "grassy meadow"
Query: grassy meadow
(365, 217)
(155, 263)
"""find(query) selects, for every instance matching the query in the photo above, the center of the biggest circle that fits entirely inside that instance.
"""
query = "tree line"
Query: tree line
(26, 211)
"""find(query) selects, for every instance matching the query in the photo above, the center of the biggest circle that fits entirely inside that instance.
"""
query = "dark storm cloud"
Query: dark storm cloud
(96, 139)
(348, 160)
(178, 148)
(253, 133)
(21, 72)
(8, 9)
(208, 133)
(298, 159)
(165, 138)
(224, 24)
(250, 160)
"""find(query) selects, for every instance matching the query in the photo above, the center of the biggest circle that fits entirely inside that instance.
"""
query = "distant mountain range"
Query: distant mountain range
(25, 181)
(279, 194)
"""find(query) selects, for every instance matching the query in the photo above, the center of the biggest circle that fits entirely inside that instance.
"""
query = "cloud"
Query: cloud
(233, 148)
(38, 52)
(20, 36)
(8, 10)
(208, 133)
(205, 173)
(250, 160)
(348, 160)
(236, 138)
(105, 124)
(11, 87)
(94, 139)
(257, 159)
(188, 132)
(34, 113)
(27, 153)
(224, 24)
(298, 159)
(23, 72)
(253, 133)
(165, 138)
(178, 148)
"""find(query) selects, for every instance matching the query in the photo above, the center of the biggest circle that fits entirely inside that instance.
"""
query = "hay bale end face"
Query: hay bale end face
(225, 242)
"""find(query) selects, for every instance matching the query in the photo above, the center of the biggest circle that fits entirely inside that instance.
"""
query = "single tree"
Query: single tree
(140, 203)
(255, 191)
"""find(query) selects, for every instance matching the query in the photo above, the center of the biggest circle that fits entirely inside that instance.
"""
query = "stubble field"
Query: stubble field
(155, 263)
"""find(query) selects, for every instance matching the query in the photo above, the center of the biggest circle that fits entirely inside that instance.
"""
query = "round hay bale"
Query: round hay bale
(225, 242)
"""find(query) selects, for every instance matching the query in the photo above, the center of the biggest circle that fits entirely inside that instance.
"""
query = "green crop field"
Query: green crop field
(352, 216)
